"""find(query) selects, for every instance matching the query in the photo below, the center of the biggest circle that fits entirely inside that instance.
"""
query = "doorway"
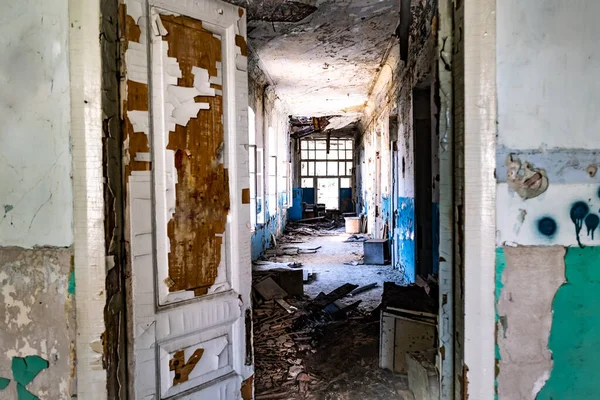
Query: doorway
(328, 192)
(422, 128)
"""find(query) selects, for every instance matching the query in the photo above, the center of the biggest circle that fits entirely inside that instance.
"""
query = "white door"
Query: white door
(186, 150)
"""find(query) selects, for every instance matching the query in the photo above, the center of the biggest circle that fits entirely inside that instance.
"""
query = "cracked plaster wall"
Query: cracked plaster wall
(547, 241)
(36, 205)
(269, 111)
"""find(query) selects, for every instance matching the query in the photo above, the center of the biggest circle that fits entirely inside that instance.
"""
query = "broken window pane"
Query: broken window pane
(311, 169)
(349, 166)
(345, 183)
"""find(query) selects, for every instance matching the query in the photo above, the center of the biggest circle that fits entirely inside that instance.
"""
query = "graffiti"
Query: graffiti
(24, 371)
(591, 223)
(547, 226)
(579, 211)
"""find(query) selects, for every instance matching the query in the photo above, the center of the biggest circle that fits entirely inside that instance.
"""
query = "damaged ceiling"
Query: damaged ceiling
(325, 63)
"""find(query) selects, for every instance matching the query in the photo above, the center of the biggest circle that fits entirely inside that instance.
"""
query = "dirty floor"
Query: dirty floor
(329, 264)
(308, 354)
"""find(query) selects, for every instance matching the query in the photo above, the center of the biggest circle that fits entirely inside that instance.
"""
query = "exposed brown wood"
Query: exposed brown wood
(241, 43)
(240, 12)
(132, 30)
(246, 196)
(182, 368)
(202, 191)
(247, 388)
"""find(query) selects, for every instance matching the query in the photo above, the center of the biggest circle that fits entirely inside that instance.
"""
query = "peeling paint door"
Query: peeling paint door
(186, 156)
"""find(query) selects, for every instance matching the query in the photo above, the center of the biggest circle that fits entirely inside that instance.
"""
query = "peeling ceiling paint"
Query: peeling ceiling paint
(326, 63)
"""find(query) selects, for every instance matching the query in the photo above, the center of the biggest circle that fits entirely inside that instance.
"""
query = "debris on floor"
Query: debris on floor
(321, 343)
(299, 354)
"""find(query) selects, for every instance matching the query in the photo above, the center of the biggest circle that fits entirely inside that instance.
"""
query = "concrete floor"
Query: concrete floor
(328, 263)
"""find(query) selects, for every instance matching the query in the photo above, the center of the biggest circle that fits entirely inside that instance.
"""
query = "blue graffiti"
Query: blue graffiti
(591, 223)
(547, 226)
(579, 211)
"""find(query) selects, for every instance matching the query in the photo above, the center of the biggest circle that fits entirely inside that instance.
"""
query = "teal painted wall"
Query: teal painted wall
(575, 335)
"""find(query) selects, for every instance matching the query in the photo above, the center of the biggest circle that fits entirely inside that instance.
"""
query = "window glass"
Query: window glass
(321, 154)
(307, 183)
(345, 183)
(321, 168)
(349, 166)
(332, 168)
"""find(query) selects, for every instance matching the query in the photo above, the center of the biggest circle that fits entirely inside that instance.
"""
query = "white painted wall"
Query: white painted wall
(35, 160)
(548, 63)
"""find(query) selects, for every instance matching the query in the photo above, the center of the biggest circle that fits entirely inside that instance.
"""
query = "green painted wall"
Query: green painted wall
(575, 334)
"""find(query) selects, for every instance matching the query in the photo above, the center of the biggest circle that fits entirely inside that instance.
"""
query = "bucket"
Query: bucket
(352, 225)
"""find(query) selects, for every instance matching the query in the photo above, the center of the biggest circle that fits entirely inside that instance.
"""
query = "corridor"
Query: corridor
(305, 199)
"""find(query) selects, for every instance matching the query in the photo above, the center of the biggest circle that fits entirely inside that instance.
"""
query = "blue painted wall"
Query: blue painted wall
(274, 226)
(346, 205)
(295, 213)
(406, 244)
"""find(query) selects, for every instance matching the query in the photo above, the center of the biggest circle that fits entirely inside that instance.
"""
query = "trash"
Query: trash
(358, 238)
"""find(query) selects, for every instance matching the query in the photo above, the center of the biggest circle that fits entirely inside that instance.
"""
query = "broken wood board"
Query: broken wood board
(269, 289)
(342, 291)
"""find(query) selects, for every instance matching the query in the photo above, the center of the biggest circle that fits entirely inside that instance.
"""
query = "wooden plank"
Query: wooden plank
(269, 289)
(344, 290)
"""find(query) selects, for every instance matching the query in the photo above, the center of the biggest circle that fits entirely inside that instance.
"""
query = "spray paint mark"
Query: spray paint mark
(547, 226)
(591, 223)
(579, 210)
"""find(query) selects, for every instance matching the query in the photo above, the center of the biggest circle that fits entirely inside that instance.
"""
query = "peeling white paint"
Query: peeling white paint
(22, 317)
(139, 121)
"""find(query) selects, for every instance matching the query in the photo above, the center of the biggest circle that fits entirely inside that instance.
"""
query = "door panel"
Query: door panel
(186, 107)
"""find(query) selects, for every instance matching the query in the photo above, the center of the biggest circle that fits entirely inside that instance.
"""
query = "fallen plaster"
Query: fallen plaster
(527, 181)
(530, 279)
